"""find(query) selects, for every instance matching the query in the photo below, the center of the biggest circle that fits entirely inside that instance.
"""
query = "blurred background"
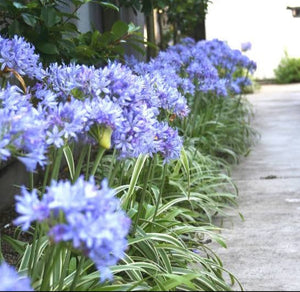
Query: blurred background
(267, 24)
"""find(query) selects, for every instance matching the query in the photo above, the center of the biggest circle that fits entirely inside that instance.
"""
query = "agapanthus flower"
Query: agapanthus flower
(55, 137)
(69, 118)
(103, 111)
(12, 98)
(167, 142)
(11, 280)
(246, 46)
(137, 132)
(93, 221)
(169, 97)
(22, 128)
(80, 81)
(45, 97)
(30, 208)
(20, 55)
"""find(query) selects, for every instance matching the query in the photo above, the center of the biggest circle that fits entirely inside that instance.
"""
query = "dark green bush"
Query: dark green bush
(50, 25)
(288, 70)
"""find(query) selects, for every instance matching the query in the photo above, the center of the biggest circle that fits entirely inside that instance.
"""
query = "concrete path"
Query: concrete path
(264, 250)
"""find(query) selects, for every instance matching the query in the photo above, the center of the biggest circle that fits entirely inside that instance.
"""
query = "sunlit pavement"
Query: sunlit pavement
(264, 250)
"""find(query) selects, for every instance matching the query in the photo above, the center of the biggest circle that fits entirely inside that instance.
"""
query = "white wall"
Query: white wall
(267, 24)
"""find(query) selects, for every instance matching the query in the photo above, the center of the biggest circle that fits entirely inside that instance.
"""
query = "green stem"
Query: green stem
(80, 161)
(115, 171)
(111, 166)
(46, 176)
(88, 162)
(160, 191)
(4, 82)
(57, 163)
(195, 114)
(148, 171)
(97, 160)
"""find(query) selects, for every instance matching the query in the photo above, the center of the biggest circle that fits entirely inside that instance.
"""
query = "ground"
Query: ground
(263, 250)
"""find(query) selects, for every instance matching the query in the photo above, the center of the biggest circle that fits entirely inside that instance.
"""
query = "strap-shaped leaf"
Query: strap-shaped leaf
(70, 160)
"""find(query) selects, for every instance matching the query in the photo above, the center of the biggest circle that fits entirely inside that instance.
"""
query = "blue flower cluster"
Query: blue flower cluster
(22, 128)
(115, 97)
(72, 102)
(135, 102)
(17, 54)
(10, 280)
(203, 66)
(92, 220)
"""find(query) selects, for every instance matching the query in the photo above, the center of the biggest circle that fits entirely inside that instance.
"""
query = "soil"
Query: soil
(7, 227)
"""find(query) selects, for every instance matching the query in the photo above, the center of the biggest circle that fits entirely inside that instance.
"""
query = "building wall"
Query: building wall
(267, 24)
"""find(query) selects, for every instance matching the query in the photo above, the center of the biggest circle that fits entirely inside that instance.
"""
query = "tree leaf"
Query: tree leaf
(119, 29)
(29, 19)
(14, 28)
(19, 5)
(49, 16)
(48, 48)
(109, 5)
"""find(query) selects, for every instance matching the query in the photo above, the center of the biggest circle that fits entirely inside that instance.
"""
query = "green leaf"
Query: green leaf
(106, 38)
(242, 216)
(178, 280)
(108, 5)
(185, 162)
(70, 160)
(19, 5)
(119, 29)
(14, 28)
(135, 175)
(48, 48)
(29, 19)
(132, 28)
(49, 16)
(32, 4)
(85, 51)
(95, 38)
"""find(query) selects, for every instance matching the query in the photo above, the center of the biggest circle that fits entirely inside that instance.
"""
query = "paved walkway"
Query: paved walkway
(264, 250)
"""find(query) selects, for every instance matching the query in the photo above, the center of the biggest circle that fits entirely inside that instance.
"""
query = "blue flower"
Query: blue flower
(92, 220)
(30, 209)
(167, 142)
(10, 280)
(4, 152)
(19, 55)
(55, 137)
(23, 128)
(246, 46)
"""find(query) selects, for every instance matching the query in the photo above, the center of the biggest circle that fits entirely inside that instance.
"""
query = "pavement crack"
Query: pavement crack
(269, 177)
(279, 177)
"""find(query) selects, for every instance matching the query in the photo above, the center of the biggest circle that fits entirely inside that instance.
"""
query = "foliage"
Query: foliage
(185, 17)
(51, 27)
(288, 70)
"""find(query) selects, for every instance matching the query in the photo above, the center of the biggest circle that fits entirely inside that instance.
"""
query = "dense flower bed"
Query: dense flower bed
(133, 123)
